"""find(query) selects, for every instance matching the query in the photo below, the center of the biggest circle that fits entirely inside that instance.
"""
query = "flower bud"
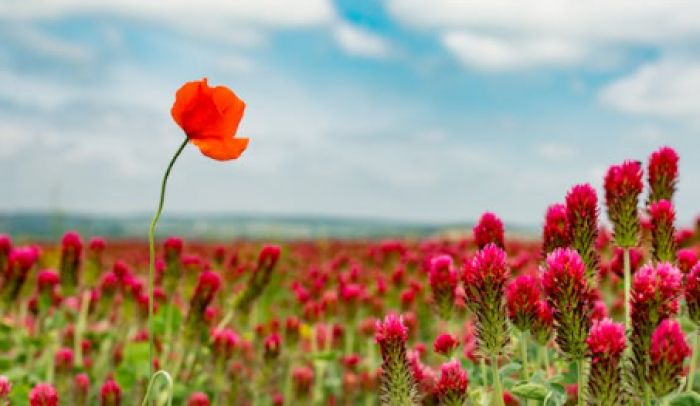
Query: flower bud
(555, 233)
(43, 394)
(662, 174)
(582, 214)
(489, 230)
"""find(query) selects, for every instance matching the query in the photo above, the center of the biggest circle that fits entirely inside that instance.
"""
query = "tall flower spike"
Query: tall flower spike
(542, 325)
(655, 291)
(692, 294)
(555, 233)
(484, 281)
(623, 185)
(569, 296)
(5, 249)
(398, 386)
(43, 394)
(582, 214)
(443, 282)
(452, 386)
(71, 255)
(110, 393)
(663, 243)
(668, 350)
(662, 174)
(489, 230)
(19, 263)
(606, 343)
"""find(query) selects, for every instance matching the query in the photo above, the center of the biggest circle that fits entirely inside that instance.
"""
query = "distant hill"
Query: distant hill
(44, 226)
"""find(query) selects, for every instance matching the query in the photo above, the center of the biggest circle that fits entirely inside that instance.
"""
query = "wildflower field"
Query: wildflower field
(603, 308)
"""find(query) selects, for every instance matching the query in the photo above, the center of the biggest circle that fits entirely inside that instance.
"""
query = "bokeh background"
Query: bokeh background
(402, 111)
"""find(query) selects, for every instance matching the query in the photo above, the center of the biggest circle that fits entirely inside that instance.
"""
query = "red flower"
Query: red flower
(522, 297)
(582, 213)
(110, 393)
(606, 340)
(452, 386)
(391, 330)
(209, 116)
(444, 344)
(663, 238)
(623, 185)
(43, 394)
(198, 399)
(662, 174)
(555, 233)
(692, 294)
(489, 230)
(668, 344)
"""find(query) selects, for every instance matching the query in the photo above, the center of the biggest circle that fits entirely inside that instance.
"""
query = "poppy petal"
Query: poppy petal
(221, 149)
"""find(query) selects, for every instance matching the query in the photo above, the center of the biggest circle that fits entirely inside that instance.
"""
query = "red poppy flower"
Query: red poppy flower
(210, 117)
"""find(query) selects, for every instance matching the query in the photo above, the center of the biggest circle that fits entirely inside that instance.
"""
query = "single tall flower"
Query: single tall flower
(606, 343)
(623, 185)
(210, 116)
(489, 230)
(71, 256)
(207, 285)
(662, 174)
(569, 296)
(663, 243)
(259, 279)
(582, 213)
(172, 248)
(555, 233)
(398, 386)
(443, 282)
(668, 350)
(655, 291)
(452, 386)
(5, 249)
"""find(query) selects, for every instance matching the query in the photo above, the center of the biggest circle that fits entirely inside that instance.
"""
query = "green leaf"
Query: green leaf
(160, 320)
(509, 369)
(19, 395)
(529, 390)
(685, 399)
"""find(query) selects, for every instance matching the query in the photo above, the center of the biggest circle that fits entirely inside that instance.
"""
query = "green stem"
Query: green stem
(523, 353)
(152, 258)
(484, 375)
(497, 388)
(694, 360)
(628, 284)
(80, 329)
(545, 356)
(581, 383)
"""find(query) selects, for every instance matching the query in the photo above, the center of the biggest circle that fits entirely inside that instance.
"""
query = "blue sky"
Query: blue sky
(403, 109)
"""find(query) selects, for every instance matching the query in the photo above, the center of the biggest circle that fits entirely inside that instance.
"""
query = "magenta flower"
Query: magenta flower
(172, 248)
(19, 263)
(522, 297)
(582, 214)
(443, 282)
(43, 394)
(5, 249)
(692, 294)
(398, 386)
(542, 325)
(81, 389)
(687, 258)
(445, 344)
(606, 343)
(71, 256)
(662, 174)
(453, 383)
(569, 296)
(110, 393)
(654, 298)
(555, 233)
(663, 243)
(623, 185)
(302, 379)
(198, 399)
(668, 350)
(484, 283)
(489, 230)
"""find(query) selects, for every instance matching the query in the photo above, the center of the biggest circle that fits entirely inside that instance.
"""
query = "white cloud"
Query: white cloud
(275, 13)
(669, 87)
(13, 138)
(510, 34)
(359, 42)
(553, 151)
(492, 53)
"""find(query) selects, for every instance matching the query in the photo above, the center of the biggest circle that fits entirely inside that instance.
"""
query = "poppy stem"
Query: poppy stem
(152, 256)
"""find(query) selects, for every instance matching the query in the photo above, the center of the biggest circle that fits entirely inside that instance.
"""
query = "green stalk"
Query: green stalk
(152, 257)
(484, 375)
(523, 353)
(80, 329)
(497, 388)
(545, 357)
(581, 382)
(628, 285)
(694, 360)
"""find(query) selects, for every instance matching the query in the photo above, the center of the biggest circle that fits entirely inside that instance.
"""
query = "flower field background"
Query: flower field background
(478, 319)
